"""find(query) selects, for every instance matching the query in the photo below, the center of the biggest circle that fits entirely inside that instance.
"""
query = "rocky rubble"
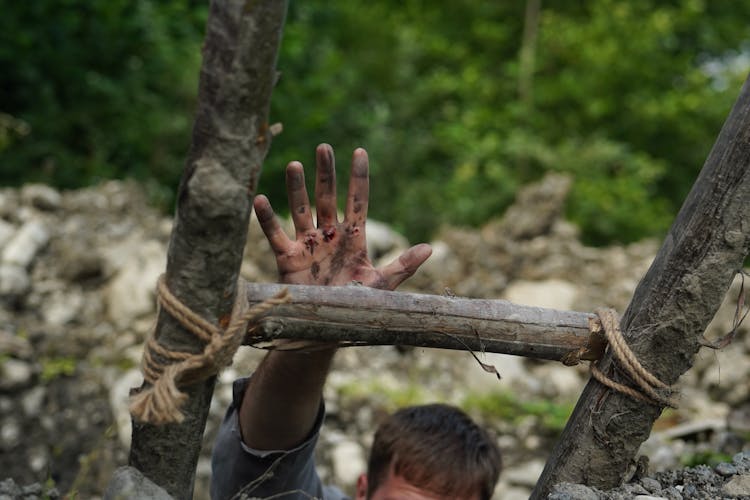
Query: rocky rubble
(77, 272)
(726, 480)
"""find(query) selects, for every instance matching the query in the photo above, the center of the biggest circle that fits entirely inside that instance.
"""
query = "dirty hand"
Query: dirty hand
(334, 253)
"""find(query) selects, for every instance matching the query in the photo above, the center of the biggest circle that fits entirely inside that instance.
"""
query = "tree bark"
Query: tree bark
(229, 142)
(668, 314)
(527, 55)
(356, 316)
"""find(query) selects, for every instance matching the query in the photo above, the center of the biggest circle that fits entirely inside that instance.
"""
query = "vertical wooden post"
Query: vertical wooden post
(229, 143)
(668, 314)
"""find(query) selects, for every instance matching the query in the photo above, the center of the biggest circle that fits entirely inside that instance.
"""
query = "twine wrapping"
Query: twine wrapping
(161, 402)
(652, 388)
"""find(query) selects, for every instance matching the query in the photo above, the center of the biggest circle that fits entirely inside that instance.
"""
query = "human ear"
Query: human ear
(362, 487)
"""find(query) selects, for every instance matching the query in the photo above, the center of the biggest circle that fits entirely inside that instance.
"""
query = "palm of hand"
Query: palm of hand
(334, 252)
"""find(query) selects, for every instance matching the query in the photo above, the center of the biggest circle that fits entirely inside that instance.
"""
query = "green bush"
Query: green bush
(106, 88)
(626, 96)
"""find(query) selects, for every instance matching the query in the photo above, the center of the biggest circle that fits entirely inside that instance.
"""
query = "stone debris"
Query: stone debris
(23, 246)
(9, 490)
(701, 482)
(16, 374)
(77, 276)
(128, 482)
(738, 486)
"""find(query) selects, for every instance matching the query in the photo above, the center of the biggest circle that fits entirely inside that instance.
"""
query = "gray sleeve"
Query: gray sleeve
(238, 468)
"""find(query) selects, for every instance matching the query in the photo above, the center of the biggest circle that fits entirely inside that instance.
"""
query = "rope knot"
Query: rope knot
(161, 402)
(652, 390)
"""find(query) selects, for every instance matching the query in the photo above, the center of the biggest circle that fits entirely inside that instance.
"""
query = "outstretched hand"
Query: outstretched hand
(334, 252)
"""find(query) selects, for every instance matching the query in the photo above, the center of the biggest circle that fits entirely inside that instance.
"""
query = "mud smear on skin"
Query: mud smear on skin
(327, 175)
(346, 247)
(295, 181)
(357, 204)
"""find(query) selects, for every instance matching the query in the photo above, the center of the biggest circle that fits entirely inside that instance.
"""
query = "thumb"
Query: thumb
(405, 265)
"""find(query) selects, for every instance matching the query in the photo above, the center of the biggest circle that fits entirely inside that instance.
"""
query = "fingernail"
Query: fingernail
(324, 154)
(360, 163)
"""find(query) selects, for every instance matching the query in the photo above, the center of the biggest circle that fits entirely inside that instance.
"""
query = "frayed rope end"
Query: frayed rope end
(159, 404)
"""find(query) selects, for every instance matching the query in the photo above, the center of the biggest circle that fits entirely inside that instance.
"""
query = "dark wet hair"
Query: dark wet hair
(437, 448)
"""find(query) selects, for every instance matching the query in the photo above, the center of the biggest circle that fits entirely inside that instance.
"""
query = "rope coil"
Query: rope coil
(161, 402)
(651, 388)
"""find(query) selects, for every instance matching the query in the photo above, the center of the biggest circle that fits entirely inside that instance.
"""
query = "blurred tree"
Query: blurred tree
(458, 104)
(457, 111)
(106, 88)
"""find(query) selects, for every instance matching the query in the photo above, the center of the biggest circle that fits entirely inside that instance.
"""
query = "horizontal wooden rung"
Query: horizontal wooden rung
(358, 315)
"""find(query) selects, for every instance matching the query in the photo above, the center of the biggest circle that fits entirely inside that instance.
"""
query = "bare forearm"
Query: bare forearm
(282, 399)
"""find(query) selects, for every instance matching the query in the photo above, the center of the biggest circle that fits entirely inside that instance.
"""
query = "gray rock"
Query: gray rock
(34, 489)
(537, 207)
(651, 484)
(118, 400)
(559, 380)
(554, 294)
(14, 280)
(648, 497)
(725, 469)
(6, 405)
(569, 491)
(16, 346)
(349, 461)
(671, 493)
(10, 434)
(62, 307)
(82, 265)
(738, 486)
(38, 458)
(6, 232)
(742, 460)
(728, 386)
(25, 244)
(41, 196)
(512, 493)
(32, 401)
(525, 474)
(436, 272)
(9, 489)
(382, 239)
(129, 482)
(738, 419)
(692, 428)
(16, 374)
(689, 490)
(635, 489)
(131, 291)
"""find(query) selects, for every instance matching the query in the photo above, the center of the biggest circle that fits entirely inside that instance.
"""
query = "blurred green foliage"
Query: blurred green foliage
(707, 457)
(53, 368)
(106, 88)
(627, 97)
(506, 406)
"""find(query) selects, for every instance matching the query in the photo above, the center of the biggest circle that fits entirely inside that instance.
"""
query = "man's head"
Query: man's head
(431, 451)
